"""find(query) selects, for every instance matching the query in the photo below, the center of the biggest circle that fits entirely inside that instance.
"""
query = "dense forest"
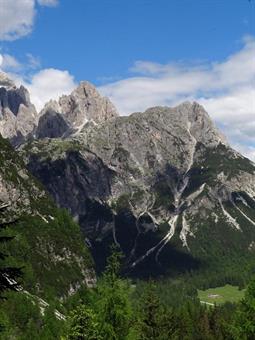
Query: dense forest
(117, 309)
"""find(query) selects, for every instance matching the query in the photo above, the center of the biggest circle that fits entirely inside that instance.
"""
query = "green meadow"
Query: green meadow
(221, 295)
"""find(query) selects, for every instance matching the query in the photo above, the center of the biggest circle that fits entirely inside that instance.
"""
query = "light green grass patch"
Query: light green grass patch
(221, 295)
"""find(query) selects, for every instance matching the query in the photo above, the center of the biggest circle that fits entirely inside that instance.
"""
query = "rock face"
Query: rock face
(85, 104)
(51, 124)
(18, 117)
(19, 120)
(163, 184)
(71, 113)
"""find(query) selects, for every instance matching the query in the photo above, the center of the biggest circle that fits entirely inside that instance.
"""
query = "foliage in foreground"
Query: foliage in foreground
(118, 310)
(117, 313)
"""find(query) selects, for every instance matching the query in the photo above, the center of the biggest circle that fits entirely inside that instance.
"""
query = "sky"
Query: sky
(140, 53)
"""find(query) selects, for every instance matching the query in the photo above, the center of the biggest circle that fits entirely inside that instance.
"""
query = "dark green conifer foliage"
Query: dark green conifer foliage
(155, 322)
(108, 313)
(113, 304)
(8, 275)
(82, 324)
(244, 327)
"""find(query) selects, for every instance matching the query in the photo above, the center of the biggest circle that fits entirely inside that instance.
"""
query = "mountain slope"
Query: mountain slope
(47, 243)
(163, 184)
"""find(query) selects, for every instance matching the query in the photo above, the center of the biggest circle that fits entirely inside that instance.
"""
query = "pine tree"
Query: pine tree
(244, 327)
(113, 304)
(155, 322)
(82, 324)
(108, 316)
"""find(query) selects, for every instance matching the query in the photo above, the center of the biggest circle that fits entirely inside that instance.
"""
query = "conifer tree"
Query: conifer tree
(244, 327)
(155, 322)
(82, 324)
(113, 304)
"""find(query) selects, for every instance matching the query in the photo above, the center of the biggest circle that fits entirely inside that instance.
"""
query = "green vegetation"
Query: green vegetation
(163, 195)
(221, 295)
(109, 314)
(9, 275)
(42, 240)
(164, 310)
(47, 148)
(244, 322)
(121, 203)
(51, 254)
(22, 318)
(46, 244)
(117, 310)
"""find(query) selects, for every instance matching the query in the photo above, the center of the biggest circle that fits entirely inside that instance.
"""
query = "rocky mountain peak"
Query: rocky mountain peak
(155, 182)
(202, 126)
(85, 104)
(189, 118)
(18, 116)
(72, 112)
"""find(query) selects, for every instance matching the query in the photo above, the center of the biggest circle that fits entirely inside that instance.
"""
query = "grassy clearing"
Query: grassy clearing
(220, 295)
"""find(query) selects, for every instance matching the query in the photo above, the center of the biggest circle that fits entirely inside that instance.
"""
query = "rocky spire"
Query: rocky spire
(85, 104)
(71, 113)
(18, 117)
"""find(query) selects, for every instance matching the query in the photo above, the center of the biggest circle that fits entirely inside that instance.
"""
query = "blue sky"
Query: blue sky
(136, 50)
(97, 39)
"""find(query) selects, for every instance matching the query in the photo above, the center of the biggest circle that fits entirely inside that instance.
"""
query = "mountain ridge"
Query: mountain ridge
(160, 183)
(19, 120)
(158, 172)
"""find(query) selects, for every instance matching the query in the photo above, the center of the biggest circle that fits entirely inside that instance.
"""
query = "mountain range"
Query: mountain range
(164, 184)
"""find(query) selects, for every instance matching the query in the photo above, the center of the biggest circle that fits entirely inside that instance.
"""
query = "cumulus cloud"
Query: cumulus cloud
(49, 84)
(17, 17)
(43, 85)
(226, 89)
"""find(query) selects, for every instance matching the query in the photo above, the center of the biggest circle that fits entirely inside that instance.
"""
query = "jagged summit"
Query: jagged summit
(83, 105)
(160, 183)
(18, 116)
(151, 182)
(19, 120)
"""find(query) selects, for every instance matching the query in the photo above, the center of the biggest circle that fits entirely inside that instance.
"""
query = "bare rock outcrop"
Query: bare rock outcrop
(72, 112)
(18, 116)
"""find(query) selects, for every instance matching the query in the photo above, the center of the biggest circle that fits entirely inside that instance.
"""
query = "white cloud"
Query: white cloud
(17, 17)
(43, 85)
(226, 89)
(32, 61)
(9, 63)
(49, 84)
(50, 3)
